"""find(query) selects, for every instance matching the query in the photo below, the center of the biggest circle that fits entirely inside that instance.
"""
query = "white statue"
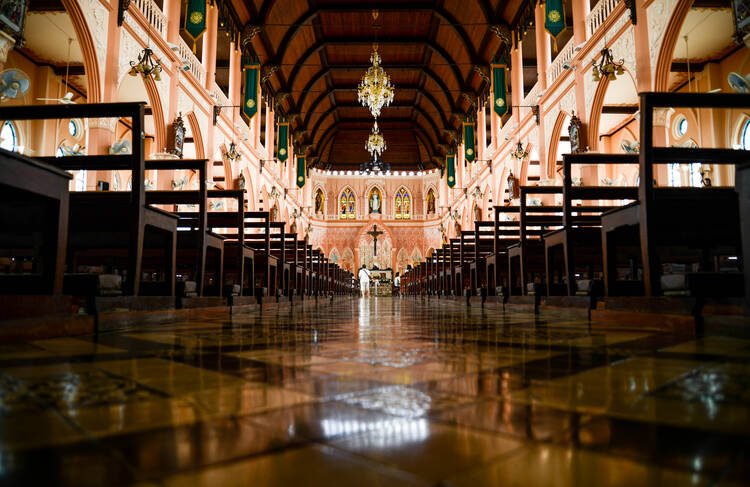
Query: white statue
(374, 203)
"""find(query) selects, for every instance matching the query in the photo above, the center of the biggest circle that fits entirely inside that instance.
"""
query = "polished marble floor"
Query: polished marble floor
(382, 392)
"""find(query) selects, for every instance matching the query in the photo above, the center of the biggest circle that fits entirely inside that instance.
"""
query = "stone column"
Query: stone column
(209, 46)
(642, 49)
(662, 118)
(481, 133)
(581, 9)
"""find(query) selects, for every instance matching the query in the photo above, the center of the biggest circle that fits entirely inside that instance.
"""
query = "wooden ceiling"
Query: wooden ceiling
(321, 49)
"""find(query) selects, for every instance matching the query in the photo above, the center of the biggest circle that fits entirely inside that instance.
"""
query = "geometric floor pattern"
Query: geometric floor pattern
(376, 392)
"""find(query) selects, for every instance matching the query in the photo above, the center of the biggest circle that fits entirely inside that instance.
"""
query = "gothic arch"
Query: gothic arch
(409, 195)
(157, 111)
(227, 166)
(195, 131)
(597, 107)
(88, 51)
(669, 41)
(338, 202)
(554, 142)
(249, 192)
(366, 199)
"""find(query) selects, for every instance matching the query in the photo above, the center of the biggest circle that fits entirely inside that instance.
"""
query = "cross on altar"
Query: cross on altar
(375, 233)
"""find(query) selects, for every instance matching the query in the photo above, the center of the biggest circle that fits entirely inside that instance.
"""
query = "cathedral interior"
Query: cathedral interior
(401, 242)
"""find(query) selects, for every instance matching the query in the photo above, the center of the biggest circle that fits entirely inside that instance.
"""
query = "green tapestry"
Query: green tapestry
(470, 145)
(301, 171)
(499, 88)
(195, 19)
(554, 19)
(282, 151)
(450, 170)
(251, 90)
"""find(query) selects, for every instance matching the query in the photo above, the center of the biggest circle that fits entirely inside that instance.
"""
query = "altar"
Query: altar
(382, 282)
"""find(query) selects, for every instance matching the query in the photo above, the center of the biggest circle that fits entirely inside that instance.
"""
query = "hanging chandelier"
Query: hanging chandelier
(520, 153)
(607, 66)
(375, 90)
(375, 142)
(146, 65)
(233, 154)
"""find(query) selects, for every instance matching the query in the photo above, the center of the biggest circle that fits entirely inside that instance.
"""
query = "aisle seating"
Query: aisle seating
(505, 233)
(683, 227)
(33, 236)
(526, 262)
(576, 249)
(266, 264)
(483, 247)
(200, 253)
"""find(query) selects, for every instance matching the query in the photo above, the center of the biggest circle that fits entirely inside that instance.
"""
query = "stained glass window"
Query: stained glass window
(347, 205)
(402, 205)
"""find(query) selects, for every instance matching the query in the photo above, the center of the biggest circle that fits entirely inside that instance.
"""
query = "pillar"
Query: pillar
(642, 52)
(209, 46)
(481, 132)
(543, 58)
(581, 9)
(662, 118)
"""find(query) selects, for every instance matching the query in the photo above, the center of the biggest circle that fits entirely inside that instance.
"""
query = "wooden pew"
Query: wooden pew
(113, 228)
(483, 247)
(278, 243)
(33, 236)
(200, 253)
(266, 264)
(681, 224)
(505, 233)
(526, 262)
(576, 249)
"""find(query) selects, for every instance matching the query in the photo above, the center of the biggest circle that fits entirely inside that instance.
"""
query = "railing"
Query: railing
(566, 54)
(218, 95)
(154, 15)
(190, 63)
(598, 15)
(531, 98)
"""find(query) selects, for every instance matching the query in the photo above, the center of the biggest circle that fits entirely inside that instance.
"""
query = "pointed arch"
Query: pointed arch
(88, 50)
(366, 198)
(402, 204)
(554, 142)
(195, 131)
(157, 111)
(319, 201)
(669, 41)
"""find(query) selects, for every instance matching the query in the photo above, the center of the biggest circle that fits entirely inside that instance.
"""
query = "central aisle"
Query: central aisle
(384, 391)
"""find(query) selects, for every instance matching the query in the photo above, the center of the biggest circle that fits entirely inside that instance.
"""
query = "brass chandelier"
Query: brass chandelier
(375, 90)
(520, 153)
(146, 65)
(375, 142)
(607, 66)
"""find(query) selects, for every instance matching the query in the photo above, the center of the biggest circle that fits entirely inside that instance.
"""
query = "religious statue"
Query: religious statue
(431, 203)
(293, 227)
(274, 213)
(375, 201)
(457, 227)
(512, 186)
(319, 202)
(477, 213)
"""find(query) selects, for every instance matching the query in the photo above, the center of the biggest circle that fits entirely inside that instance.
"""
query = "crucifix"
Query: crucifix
(375, 233)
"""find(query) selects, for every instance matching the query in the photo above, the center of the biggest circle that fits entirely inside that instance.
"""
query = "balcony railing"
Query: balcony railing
(154, 15)
(218, 95)
(190, 63)
(556, 68)
(598, 15)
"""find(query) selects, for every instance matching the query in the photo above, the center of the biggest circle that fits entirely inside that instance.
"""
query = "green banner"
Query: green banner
(195, 19)
(470, 143)
(301, 171)
(282, 151)
(450, 170)
(499, 89)
(251, 90)
(554, 19)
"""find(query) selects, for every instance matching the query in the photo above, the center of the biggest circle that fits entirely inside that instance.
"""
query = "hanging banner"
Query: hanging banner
(470, 143)
(450, 170)
(282, 151)
(499, 89)
(554, 19)
(251, 89)
(301, 171)
(195, 19)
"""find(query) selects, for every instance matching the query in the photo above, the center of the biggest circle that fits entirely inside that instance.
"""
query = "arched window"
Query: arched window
(347, 205)
(8, 136)
(73, 128)
(431, 202)
(402, 205)
(744, 135)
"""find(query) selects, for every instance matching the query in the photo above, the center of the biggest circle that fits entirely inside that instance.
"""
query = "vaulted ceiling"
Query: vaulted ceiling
(314, 54)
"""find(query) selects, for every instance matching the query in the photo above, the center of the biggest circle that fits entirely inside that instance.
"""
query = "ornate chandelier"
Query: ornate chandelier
(520, 153)
(233, 154)
(607, 66)
(375, 142)
(146, 65)
(375, 91)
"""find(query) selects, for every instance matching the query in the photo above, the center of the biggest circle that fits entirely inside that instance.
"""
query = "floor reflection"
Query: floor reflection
(380, 391)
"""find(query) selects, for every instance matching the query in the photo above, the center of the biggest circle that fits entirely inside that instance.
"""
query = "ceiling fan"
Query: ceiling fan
(68, 98)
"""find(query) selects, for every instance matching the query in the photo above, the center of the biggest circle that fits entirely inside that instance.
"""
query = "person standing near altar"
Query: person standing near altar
(364, 281)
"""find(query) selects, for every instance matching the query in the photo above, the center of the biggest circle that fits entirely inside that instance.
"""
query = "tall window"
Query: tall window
(693, 177)
(8, 137)
(402, 205)
(347, 205)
